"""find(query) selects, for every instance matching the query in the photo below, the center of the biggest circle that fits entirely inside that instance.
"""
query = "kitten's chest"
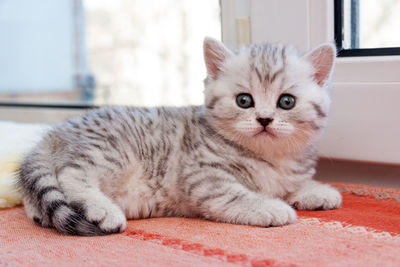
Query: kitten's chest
(273, 180)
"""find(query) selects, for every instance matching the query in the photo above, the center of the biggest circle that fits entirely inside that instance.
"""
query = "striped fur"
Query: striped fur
(90, 174)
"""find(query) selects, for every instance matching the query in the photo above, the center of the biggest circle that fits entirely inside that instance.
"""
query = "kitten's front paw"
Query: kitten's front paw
(281, 213)
(274, 212)
(316, 197)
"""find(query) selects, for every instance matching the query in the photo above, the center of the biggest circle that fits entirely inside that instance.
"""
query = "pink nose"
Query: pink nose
(264, 121)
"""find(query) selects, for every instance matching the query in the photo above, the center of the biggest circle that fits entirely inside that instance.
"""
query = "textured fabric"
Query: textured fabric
(16, 139)
(365, 232)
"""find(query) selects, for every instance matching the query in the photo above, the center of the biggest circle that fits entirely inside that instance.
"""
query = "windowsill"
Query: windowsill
(367, 69)
(334, 170)
(38, 115)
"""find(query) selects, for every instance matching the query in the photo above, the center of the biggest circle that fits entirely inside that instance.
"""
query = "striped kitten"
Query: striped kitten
(245, 157)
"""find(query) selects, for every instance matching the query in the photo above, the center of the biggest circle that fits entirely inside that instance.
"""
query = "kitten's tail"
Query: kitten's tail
(47, 203)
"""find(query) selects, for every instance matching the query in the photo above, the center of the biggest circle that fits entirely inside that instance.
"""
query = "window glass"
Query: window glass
(371, 23)
(134, 52)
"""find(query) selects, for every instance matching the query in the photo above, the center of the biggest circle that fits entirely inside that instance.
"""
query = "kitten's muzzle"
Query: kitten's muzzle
(264, 122)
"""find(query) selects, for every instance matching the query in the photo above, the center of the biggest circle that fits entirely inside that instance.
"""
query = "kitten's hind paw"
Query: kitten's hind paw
(108, 217)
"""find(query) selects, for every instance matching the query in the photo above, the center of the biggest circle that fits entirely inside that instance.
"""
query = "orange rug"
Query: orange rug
(365, 232)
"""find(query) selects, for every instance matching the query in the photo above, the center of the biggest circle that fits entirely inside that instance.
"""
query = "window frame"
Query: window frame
(355, 52)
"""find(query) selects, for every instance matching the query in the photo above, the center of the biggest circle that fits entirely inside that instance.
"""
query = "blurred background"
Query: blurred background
(136, 52)
(133, 52)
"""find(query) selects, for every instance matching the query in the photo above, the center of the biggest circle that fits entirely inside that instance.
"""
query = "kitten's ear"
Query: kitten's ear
(215, 53)
(322, 58)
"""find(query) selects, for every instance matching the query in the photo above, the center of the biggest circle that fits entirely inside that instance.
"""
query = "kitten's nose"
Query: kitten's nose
(264, 121)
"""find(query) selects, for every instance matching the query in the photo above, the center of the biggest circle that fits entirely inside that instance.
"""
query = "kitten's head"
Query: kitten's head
(268, 97)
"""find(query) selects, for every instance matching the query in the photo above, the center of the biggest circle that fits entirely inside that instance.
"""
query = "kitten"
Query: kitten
(245, 157)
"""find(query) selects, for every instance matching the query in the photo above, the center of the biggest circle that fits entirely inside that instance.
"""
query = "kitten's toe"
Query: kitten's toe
(322, 197)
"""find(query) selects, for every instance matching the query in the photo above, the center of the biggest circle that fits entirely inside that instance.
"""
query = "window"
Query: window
(367, 27)
(100, 52)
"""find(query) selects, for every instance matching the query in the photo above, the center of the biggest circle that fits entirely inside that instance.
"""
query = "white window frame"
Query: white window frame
(364, 120)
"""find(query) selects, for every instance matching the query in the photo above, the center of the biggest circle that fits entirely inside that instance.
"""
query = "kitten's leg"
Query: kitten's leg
(226, 200)
(313, 195)
(86, 196)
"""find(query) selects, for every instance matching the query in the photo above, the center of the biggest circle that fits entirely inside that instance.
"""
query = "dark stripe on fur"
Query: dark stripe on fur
(46, 190)
(213, 101)
(53, 206)
(233, 199)
(210, 196)
(318, 110)
(259, 75)
(113, 161)
(30, 184)
(275, 75)
(205, 180)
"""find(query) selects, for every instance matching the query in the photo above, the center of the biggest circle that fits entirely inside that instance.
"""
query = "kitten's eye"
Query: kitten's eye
(286, 101)
(244, 101)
